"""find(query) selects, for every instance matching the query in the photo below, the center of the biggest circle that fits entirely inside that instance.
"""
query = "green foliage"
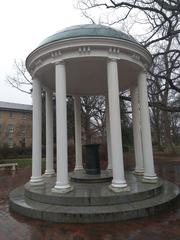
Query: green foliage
(2, 161)
(15, 152)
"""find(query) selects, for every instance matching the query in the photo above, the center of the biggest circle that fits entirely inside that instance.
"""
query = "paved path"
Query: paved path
(165, 226)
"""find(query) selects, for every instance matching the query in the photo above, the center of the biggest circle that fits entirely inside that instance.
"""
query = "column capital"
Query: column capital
(60, 62)
(111, 59)
(48, 91)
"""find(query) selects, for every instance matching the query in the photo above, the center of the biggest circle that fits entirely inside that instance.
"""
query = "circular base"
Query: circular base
(93, 202)
(93, 172)
(82, 177)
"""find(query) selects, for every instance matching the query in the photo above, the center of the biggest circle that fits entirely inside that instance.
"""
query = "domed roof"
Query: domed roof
(87, 30)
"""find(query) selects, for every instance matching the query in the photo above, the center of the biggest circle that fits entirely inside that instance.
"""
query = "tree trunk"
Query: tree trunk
(169, 148)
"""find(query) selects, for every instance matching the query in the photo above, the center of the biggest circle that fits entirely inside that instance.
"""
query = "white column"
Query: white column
(109, 167)
(78, 144)
(62, 182)
(139, 165)
(49, 135)
(149, 173)
(36, 178)
(118, 182)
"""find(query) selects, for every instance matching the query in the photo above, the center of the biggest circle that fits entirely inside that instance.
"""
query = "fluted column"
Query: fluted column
(36, 178)
(109, 167)
(49, 135)
(139, 165)
(62, 182)
(78, 144)
(118, 182)
(149, 172)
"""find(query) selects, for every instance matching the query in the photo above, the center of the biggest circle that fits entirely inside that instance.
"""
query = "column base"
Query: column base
(119, 186)
(50, 173)
(119, 189)
(77, 168)
(36, 181)
(109, 170)
(138, 172)
(109, 167)
(62, 189)
(150, 179)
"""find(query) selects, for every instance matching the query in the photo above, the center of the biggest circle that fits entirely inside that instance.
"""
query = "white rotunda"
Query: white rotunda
(90, 60)
(80, 61)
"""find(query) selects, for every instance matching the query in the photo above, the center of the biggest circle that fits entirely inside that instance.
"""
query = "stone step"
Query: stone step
(93, 214)
(95, 194)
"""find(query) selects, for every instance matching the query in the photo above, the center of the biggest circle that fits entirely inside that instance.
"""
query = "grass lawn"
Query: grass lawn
(23, 162)
(177, 148)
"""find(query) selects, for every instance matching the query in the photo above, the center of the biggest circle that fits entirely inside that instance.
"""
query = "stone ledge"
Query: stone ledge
(85, 194)
(91, 214)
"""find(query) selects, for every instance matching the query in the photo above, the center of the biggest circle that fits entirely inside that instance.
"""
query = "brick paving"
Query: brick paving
(165, 226)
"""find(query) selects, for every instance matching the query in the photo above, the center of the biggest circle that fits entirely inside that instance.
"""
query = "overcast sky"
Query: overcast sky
(23, 25)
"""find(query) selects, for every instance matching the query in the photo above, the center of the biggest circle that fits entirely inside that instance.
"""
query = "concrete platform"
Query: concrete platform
(93, 202)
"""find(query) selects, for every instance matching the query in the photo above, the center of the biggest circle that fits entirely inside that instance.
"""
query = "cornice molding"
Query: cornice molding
(78, 48)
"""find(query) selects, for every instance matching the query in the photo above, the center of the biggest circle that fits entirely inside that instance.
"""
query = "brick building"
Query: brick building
(15, 125)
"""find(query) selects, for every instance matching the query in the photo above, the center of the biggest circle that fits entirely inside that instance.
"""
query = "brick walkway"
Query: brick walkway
(165, 226)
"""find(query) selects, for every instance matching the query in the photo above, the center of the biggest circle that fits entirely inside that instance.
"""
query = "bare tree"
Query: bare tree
(159, 19)
(20, 78)
(159, 31)
(93, 116)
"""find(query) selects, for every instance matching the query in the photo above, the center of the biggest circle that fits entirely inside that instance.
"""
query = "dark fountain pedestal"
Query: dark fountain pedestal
(92, 166)
(92, 172)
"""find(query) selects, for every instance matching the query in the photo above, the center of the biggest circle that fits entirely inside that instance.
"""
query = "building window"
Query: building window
(10, 142)
(24, 115)
(22, 131)
(10, 128)
(10, 114)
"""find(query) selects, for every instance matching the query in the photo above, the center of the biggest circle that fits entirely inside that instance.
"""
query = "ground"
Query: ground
(165, 226)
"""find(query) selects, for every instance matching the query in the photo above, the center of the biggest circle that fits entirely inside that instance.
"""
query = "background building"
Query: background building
(15, 125)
